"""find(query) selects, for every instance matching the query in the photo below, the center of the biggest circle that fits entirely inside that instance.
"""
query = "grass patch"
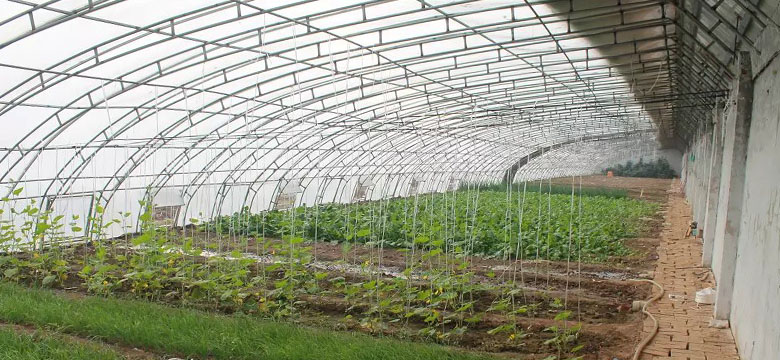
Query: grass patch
(20, 346)
(198, 334)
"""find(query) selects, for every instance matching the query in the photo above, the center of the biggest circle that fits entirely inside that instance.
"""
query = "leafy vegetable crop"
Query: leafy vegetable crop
(479, 222)
(437, 290)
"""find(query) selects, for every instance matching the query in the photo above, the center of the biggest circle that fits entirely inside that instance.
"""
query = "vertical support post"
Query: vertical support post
(684, 171)
(733, 179)
(713, 185)
(704, 174)
(691, 188)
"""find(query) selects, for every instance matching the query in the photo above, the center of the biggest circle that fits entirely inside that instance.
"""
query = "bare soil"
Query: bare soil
(639, 188)
(600, 295)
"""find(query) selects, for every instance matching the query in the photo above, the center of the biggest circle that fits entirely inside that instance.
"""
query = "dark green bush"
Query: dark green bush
(652, 169)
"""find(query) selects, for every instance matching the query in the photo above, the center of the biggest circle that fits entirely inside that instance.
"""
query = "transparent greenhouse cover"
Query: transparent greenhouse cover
(213, 106)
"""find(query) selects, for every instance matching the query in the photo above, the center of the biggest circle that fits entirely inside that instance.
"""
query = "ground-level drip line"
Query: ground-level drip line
(647, 303)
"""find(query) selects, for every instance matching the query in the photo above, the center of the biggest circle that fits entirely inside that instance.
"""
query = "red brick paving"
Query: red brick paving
(684, 331)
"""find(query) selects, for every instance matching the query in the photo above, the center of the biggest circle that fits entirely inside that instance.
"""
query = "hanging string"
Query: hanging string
(568, 247)
(538, 226)
(579, 254)
(522, 246)
(549, 228)
(108, 112)
(257, 150)
(519, 249)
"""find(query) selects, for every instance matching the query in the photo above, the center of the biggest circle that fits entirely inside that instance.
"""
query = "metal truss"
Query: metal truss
(210, 96)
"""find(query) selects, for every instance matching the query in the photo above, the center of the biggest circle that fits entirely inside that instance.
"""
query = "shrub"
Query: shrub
(652, 169)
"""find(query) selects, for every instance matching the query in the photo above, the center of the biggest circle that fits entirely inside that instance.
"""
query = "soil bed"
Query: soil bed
(599, 295)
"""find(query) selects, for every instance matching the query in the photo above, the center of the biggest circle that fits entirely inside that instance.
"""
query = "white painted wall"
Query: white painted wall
(725, 190)
(755, 311)
(755, 305)
(674, 157)
(696, 173)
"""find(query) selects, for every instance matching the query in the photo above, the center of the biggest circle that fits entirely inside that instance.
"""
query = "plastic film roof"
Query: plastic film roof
(229, 102)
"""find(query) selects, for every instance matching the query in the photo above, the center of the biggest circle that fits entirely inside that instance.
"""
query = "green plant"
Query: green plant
(477, 222)
(46, 346)
(564, 337)
(199, 334)
(437, 289)
(659, 168)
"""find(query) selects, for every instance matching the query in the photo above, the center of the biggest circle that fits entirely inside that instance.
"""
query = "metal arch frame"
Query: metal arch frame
(681, 54)
(358, 99)
(158, 61)
(340, 159)
(304, 167)
(586, 156)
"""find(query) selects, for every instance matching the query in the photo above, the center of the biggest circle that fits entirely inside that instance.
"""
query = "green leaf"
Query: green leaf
(421, 240)
(363, 233)
(11, 272)
(48, 280)
(141, 239)
(41, 228)
(320, 275)
(563, 315)
(465, 307)
(273, 267)
(18, 191)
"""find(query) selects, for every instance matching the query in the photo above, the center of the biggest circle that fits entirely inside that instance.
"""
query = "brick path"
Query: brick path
(683, 325)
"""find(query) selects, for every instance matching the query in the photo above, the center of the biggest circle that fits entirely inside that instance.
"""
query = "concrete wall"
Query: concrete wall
(742, 230)
(725, 175)
(674, 157)
(696, 164)
(755, 308)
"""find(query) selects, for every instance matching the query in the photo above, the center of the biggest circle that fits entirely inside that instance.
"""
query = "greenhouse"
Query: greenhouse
(390, 179)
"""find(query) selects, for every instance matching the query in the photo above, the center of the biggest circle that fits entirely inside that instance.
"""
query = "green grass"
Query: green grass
(20, 346)
(198, 334)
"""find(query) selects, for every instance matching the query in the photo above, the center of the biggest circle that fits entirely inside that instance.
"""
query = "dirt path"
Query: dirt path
(639, 188)
(683, 325)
